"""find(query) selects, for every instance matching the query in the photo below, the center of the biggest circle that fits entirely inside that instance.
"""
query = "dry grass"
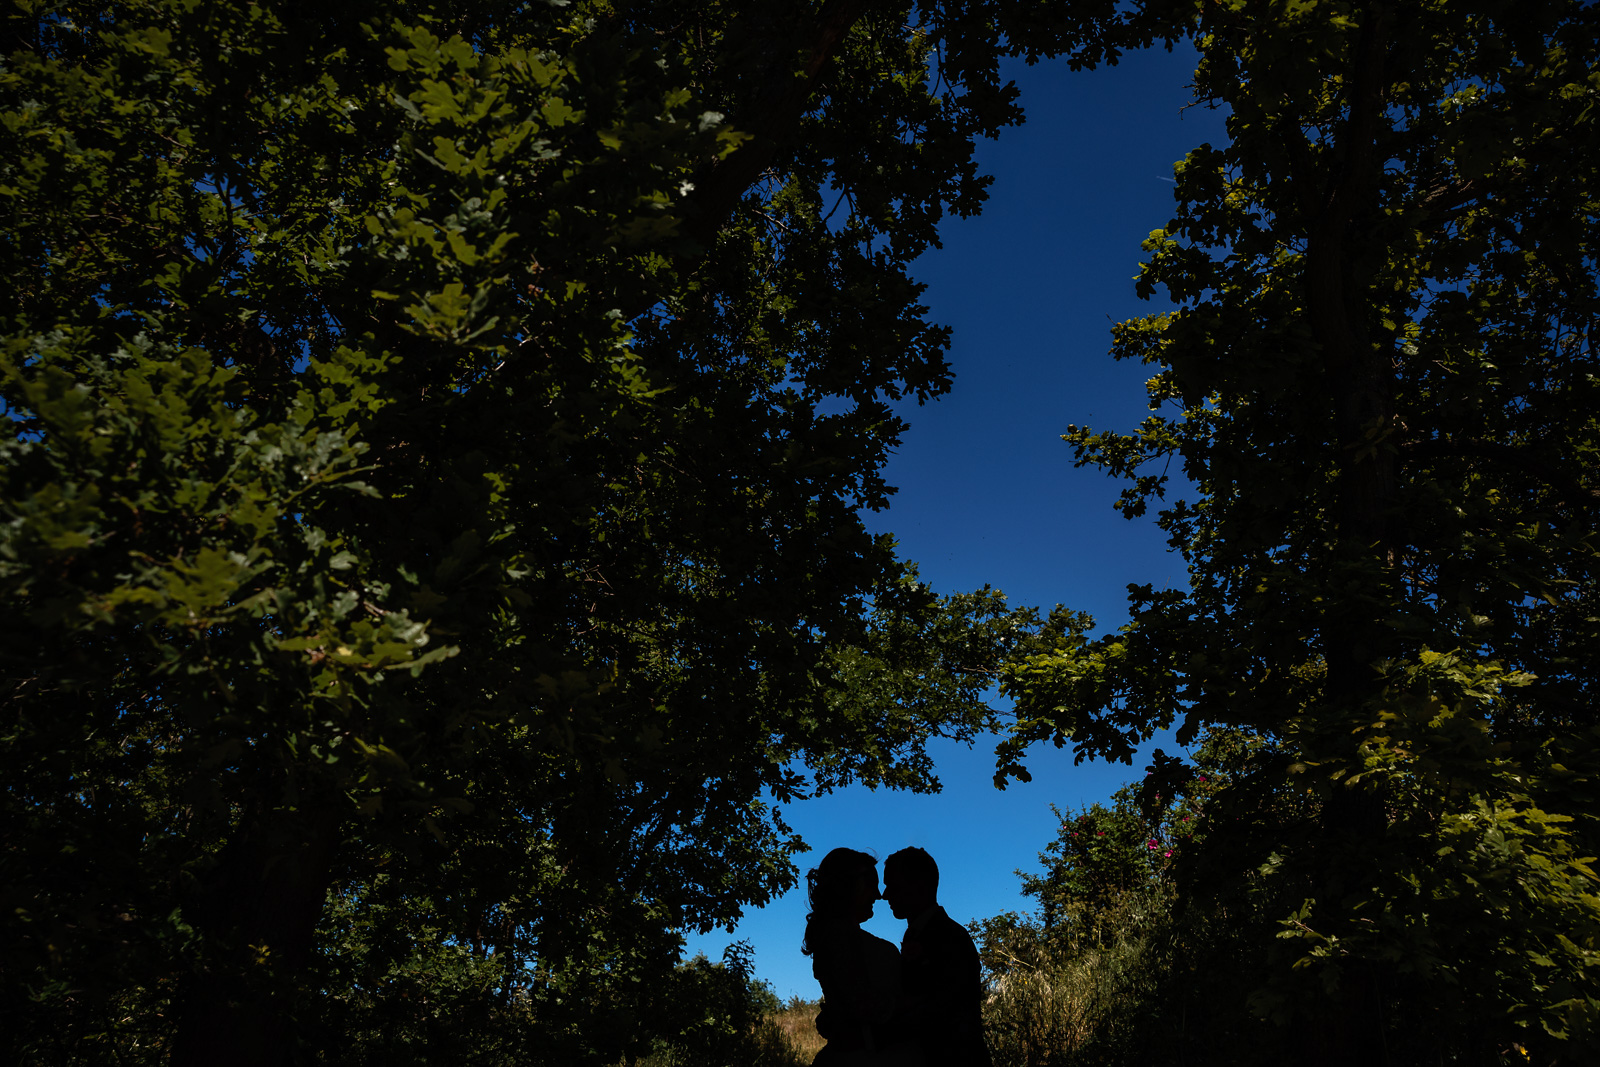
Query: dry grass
(798, 1024)
(1035, 1018)
(787, 1038)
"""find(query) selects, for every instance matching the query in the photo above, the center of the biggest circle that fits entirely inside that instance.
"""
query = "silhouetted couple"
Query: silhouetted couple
(920, 1006)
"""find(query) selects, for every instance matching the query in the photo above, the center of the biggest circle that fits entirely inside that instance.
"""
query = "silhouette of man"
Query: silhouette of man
(938, 966)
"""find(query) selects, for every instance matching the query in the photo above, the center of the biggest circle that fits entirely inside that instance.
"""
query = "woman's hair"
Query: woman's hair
(831, 885)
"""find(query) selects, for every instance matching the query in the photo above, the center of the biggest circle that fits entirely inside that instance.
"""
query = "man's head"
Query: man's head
(910, 882)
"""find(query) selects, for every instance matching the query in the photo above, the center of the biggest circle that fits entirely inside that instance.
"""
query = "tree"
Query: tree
(1148, 939)
(1379, 385)
(434, 440)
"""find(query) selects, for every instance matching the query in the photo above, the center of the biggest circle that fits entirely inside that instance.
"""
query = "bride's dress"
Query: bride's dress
(860, 979)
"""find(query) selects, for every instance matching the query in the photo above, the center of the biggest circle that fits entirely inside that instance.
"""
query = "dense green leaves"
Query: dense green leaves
(434, 445)
(1379, 384)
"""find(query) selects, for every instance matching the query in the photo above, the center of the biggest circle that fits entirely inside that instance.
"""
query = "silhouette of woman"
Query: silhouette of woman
(859, 973)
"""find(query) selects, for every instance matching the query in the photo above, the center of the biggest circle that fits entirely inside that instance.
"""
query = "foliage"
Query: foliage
(1159, 970)
(721, 1015)
(433, 443)
(1115, 967)
(1099, 858)
(797, 1019)
(1379, 386)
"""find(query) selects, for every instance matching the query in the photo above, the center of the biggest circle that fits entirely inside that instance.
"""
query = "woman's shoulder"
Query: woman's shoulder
(847, 940)
(876, 946)
(875, 940)
(832, 937)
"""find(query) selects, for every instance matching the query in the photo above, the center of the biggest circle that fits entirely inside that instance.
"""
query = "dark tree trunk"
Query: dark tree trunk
(258, 914)
(1360, 377)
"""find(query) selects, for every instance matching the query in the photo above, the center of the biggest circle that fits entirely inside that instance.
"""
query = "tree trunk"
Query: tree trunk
(1360, 380)
(259, 914)
(1360, 376)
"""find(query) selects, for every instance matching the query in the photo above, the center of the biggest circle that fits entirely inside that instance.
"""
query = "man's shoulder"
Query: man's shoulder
(945, 929)
(942, 919)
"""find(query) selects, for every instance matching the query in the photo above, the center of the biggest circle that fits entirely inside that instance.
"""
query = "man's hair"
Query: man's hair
(916, 863)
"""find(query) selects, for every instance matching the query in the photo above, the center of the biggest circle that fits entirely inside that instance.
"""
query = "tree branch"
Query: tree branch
(1506, 455)
(770, 120)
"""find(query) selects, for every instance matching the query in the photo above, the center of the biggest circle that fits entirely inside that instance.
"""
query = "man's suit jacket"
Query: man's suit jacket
(939, 969)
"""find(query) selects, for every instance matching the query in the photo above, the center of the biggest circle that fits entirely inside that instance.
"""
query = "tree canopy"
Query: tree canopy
(1379, 389)
(434, 445)
(432, 456)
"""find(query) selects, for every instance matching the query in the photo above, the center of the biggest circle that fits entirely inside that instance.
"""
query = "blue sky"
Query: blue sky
(988, 493)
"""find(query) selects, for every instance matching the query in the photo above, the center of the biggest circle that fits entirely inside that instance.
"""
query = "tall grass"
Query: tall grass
(767, 1046)
(1054, 1004)
(784, 1037)
(797, 1021)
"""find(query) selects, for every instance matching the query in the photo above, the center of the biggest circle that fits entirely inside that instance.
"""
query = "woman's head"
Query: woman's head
(842, 887)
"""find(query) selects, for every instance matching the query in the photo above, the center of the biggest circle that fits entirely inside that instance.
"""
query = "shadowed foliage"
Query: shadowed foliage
(1379, 384)
(434, 442)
